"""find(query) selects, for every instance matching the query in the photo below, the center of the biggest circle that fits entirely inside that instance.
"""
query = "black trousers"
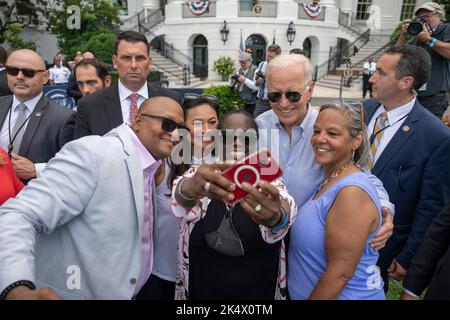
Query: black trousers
(436, 104)
(250, 108)
(367, 86)
(157, 289)
(261, 107)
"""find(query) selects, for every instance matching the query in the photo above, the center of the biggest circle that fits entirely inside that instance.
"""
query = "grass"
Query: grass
(395, 291)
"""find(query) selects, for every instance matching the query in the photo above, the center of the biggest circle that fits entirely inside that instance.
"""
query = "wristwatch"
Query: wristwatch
(432, 42)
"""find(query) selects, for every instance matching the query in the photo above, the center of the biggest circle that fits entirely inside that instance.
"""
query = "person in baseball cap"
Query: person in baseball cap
(435, 39)
(432, 7)
(245, 57)
(242, 81)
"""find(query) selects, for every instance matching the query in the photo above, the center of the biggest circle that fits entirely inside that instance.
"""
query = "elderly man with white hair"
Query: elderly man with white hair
(287, 130)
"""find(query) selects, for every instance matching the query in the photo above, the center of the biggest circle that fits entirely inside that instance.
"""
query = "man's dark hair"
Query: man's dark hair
(274, 48)
(3, 56)
(133, 37)
(99, 65)
(296, 51)
(414, 61)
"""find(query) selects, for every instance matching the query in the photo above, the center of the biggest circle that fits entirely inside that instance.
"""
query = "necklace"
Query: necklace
(335, 174)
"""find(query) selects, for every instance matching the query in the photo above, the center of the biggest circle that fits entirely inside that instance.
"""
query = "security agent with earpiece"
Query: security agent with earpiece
(431, 33)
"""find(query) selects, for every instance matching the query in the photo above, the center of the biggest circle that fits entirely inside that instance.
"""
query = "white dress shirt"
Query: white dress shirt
(125, 103)
(396, 118)
(59, 75)
(4, 133)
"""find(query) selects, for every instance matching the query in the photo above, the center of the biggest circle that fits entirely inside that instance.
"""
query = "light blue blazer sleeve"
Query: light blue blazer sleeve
(60, 194)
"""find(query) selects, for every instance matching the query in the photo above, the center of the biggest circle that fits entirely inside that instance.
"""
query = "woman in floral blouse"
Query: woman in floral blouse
(230, 252)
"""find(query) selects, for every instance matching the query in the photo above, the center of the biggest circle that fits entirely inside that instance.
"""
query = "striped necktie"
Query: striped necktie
(380, 125)
(19, 127)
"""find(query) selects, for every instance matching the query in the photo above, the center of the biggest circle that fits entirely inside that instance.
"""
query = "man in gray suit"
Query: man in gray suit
(94, 214)
(33, 128)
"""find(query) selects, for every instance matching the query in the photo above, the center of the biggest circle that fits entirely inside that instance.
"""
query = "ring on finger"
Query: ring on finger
(258, 208)
(207, 186)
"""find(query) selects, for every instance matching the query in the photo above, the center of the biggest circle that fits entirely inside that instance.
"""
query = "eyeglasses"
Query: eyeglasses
(292, 96)
(166, 124)
(194, 97)
(27, 72)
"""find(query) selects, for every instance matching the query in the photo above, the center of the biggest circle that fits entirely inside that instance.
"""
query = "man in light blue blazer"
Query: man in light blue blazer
(81, 230)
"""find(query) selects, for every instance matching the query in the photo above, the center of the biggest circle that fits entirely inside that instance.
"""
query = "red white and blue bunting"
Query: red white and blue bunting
(198, 7)
(313, 10)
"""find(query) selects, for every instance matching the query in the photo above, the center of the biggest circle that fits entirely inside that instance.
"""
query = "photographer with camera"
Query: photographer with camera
(242, 81)
(262, 104)
(432, 34)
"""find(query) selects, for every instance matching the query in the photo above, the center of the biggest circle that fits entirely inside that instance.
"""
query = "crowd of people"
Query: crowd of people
(95, 204)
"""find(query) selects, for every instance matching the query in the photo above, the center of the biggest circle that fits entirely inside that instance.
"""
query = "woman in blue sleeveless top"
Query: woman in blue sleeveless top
(329, 254)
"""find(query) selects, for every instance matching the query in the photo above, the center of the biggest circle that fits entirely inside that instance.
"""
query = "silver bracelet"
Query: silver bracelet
(181, 193)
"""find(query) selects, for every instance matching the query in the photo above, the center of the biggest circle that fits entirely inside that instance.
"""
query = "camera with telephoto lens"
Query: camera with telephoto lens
(416, 26)
(261, 75)
(235, 77)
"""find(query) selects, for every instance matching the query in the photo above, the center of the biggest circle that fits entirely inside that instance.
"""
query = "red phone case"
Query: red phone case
(260, 164)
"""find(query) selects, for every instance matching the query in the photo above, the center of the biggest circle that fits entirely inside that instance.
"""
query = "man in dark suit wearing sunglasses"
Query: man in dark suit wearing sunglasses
(33, 128)
(106, 109)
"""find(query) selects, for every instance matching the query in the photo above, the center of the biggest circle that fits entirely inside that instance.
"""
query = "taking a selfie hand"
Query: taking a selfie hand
(262, 206)
(208, 182)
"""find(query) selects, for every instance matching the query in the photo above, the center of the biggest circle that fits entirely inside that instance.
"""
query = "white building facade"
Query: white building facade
(197, 29)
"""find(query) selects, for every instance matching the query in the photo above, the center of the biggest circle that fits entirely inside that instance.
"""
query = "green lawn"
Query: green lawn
(395, 291)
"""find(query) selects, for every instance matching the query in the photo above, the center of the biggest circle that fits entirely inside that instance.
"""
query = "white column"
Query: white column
(150, 4)
(328, 3)
(346, 5)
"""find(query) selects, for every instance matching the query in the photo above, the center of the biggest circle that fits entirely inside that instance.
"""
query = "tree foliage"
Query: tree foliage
(24, 13)
(16, 41)
(99, 23)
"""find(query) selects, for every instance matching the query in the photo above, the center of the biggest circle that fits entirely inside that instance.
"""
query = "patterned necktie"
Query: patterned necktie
(18, 128)
(380, 124)
(133, 106)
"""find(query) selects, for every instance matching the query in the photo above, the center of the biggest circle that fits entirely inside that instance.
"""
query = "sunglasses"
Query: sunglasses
(166, 124)
(27, 72)
(194, 97)
(292, 96)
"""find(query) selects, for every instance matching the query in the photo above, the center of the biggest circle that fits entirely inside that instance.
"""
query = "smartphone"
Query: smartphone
(258, 166)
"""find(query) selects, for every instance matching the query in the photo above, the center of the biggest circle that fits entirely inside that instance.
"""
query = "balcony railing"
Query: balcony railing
(302, 14)
(210, 12)
(253, 8)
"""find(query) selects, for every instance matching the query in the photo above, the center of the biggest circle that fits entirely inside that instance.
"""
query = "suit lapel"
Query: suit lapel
(113, 109)
(4, 108)
(33, 124)
(405, 132)
(135, 171)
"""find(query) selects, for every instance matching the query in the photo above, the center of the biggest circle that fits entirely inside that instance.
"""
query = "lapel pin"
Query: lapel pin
(38, 114)
(405, 128)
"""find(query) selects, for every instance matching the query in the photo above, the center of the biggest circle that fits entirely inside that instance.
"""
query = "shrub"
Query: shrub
(224, 66)
(228, 98)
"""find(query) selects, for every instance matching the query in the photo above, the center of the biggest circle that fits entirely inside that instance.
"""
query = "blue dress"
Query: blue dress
(307, 251)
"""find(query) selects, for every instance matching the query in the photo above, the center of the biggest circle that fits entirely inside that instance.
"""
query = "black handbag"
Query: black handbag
(226, 239)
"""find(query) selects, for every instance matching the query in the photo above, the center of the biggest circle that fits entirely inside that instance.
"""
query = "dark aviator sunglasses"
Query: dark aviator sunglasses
(292, 96)
(27, 72)
(166, 124)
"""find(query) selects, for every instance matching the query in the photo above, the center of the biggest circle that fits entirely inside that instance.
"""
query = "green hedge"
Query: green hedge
(228, 98)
